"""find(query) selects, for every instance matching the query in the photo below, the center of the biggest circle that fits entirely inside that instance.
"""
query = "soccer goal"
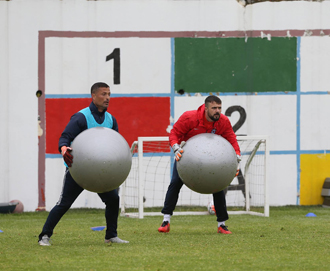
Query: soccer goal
(143, 192)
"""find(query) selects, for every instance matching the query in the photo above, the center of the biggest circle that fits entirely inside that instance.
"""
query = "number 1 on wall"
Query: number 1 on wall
(115, 55)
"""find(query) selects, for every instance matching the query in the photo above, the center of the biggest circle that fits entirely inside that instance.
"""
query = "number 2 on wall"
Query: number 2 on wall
(242, 116)
(115, 55)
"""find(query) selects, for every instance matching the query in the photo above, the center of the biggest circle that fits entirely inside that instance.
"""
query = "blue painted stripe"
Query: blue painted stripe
(298, 119)
(66, 96)
(137, 95)
(156, 154)
(52, 156)
(254, 93)
(290, 152)
(299, 152)
(237, 93)
(293, 152)
(314, 92)
(314, 151)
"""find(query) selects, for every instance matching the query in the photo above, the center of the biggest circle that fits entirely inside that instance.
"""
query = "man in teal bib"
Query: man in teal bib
(95, 115)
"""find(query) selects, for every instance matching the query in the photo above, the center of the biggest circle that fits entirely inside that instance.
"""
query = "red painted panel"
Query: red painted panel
(140, 116)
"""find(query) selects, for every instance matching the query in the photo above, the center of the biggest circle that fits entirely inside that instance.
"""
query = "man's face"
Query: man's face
(213, 111)
(101, 98)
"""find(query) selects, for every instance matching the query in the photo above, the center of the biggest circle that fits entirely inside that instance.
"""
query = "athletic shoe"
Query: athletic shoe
(165, 227)
(223, 229)
(44, 241)
(115, 240)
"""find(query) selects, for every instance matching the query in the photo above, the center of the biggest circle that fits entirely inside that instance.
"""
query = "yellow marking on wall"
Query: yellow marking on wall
(315, 168)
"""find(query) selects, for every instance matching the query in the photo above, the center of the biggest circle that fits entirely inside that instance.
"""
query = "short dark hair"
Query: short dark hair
(211, 99)
(98, 85)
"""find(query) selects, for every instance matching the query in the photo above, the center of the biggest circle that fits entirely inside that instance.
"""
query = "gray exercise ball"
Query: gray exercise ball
(208, 163)
(101, 159)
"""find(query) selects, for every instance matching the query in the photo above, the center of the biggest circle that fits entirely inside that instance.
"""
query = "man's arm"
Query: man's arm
(76, 125)
(179, 130)
(228, 133)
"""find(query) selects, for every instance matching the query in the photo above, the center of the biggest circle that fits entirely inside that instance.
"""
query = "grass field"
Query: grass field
(287, 240)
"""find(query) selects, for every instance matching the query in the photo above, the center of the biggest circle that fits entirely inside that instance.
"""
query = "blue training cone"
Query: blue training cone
(98, 228)
(1, 231)
(311, 215)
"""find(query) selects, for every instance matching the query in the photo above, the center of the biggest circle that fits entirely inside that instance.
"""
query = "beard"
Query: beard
(215, 117)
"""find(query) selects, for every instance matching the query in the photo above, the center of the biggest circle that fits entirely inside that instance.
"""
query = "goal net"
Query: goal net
(143, 192)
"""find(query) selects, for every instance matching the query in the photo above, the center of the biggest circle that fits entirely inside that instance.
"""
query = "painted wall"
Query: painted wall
(61, 48)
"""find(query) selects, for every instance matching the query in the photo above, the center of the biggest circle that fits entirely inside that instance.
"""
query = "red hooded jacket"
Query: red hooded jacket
(191, 123)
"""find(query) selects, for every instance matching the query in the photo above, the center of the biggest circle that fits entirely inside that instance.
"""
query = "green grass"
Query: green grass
(287, 240)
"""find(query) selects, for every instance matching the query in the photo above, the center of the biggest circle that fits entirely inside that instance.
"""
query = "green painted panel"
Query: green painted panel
(235, 65)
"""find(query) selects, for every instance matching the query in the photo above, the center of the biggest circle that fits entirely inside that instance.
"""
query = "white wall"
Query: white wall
(21, 21)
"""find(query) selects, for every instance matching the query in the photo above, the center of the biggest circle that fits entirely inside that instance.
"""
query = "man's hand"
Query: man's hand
(239, 158)
(67, 156)
(178, 151)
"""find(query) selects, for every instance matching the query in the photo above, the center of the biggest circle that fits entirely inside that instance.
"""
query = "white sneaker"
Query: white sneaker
(45, 241)
(115, 240)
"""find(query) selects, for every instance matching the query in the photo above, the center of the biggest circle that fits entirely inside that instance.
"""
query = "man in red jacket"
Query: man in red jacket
(206, 119)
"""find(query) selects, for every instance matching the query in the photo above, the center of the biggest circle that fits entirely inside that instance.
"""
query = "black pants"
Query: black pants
(172, 197)
(70, 191)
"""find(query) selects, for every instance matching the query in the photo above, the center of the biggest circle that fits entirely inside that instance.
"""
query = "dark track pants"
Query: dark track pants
(70, 191)
(172, 197)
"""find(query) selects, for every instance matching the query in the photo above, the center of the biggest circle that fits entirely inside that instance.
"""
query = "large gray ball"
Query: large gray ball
(101, 159)
(208, 164)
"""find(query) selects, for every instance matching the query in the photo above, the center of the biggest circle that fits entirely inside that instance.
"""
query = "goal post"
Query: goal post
(143, 192)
